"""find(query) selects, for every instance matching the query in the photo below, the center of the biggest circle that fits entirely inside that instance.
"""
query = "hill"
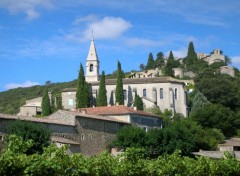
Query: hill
(13, 99)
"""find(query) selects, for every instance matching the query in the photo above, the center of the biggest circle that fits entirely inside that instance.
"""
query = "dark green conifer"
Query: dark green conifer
(159, 60)
(102, 93)
(80, 94)
(151, 62)
(191, 58)
(119, 87)
(46, 106)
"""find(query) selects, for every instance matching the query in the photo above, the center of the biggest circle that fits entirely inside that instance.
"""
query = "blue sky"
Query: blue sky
(44, 40)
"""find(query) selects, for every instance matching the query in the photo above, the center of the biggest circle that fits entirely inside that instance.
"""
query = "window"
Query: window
(175, 93)
(70, 102)
(91, 68)
(161, 93)
(125, 94)
(1, 138)
(82, 137)
(144, 92)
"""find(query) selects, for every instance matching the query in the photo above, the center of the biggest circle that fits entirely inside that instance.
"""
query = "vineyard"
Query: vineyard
(54, 161)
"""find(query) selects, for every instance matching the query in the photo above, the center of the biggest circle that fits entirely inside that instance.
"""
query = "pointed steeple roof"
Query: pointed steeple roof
(92, 54)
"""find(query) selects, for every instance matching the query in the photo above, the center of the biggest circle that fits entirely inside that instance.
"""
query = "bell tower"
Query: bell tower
(92, 64)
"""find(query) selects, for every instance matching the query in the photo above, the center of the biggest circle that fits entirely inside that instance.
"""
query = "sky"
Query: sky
(46, 40)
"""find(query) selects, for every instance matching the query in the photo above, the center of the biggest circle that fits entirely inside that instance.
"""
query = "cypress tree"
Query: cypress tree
(80, 94)
(171, 63)
(151, 62)
(138, 103)
(46, 107)
(160, 60)
(191, 58)
(119, 87)
(102, 93)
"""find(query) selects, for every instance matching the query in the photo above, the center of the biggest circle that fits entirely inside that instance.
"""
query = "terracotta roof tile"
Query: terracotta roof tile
(115, 110)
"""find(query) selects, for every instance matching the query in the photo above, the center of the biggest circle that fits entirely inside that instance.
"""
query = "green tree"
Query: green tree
(102, 93)
(130, 136)
(39, 133)
(159, 62)
(191, 58)
(138, 103)
(83, 91)
(219, 88)
(150, 63)
(46, 107)
(217, 116)
(171, 63)
(119, 87)
(199, 101)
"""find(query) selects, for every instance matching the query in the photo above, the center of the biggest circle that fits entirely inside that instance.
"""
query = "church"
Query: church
(162, 92)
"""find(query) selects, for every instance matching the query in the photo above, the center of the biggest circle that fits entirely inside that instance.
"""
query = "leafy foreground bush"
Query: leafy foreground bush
(54, 161)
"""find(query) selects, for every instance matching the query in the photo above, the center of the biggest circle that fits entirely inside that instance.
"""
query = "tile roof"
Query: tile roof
(33, 119)
(115, 110)
(164, 79)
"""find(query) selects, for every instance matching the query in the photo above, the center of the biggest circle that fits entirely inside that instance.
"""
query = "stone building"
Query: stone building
(216, 56)
(33, 107)
(163, 92)
(88, 133)
(227, 70)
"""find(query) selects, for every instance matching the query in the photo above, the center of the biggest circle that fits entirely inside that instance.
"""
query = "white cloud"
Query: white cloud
(29, 7)
(107, 28)
(25, 84)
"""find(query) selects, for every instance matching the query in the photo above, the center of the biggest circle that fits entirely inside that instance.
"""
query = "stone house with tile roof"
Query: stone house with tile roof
(88, 131)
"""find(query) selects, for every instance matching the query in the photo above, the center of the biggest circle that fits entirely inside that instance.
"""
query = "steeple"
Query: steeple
(92, 63)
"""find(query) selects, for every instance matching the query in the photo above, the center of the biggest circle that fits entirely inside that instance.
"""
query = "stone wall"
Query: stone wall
(95, 135)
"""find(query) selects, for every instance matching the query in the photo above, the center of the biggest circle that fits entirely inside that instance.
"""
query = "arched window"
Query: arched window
(161, 93)
(91, 68)
(125, 94)
(175, 93)
(144, 92)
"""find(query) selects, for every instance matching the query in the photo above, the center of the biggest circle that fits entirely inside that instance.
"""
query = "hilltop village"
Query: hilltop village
(162, 85)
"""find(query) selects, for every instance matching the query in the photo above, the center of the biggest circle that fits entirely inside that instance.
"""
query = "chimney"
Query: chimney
(135, 108)
(117, 103)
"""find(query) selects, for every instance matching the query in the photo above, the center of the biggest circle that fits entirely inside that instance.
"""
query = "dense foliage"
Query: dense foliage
(181, 134)
(39, 134)
(171, 63)
(102, 93)
(46, 106)
(119, 87)
(54, 161)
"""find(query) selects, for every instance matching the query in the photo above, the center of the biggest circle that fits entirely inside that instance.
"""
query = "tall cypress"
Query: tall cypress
(46, 106)
(159, 62)
(171, 63)
(80, 97)
(119, 87)
(191, 58)
(151, 62)
(102, 93)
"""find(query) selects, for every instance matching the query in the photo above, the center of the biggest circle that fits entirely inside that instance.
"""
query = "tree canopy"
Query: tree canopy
(151, 62)
(39, 133)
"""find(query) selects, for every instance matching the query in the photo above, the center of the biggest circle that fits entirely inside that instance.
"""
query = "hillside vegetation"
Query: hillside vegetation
(13, 99)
